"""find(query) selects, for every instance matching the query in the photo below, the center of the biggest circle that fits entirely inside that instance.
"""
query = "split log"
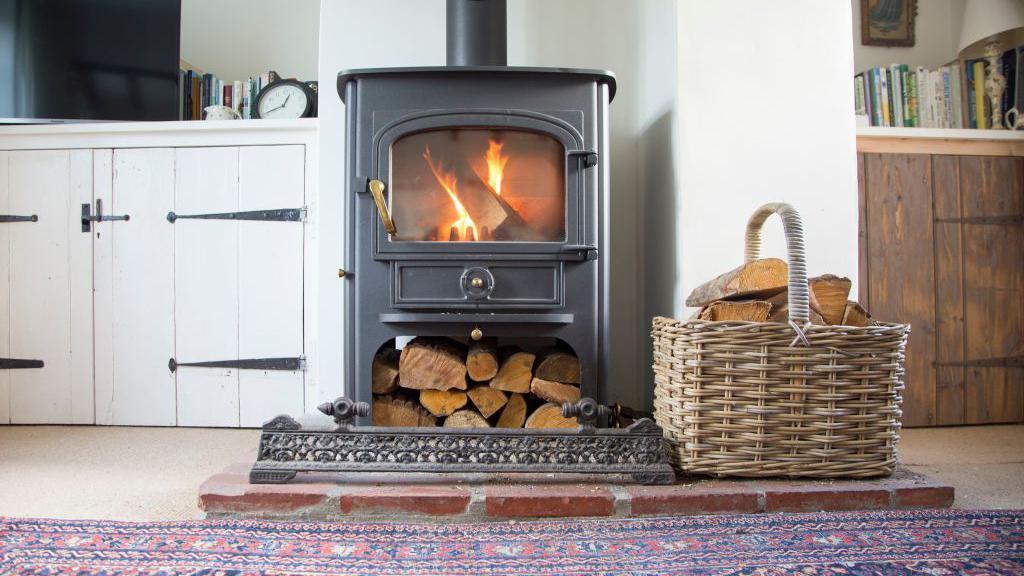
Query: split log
(856, 315)
(780, 309)
(753, 280)
(748, 310)
(514, 414)
(487, 400)
(558, 366)
(550, 416)
(467, 418)
(515, 373)
(832, 293)
(429, 363)
(442, 402)
(482, 360)
(384, 372)
(554, 391)
(393, 410)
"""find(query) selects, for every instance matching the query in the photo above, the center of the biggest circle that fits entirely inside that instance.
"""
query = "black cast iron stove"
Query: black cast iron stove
(477, 207)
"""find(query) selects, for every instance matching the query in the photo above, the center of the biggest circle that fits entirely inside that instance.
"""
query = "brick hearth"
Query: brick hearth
(229, 494)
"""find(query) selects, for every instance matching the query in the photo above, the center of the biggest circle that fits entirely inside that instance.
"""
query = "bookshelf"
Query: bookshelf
(951, 141)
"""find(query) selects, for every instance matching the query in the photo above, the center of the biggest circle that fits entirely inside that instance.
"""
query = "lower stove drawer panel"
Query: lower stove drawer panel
(477, 285)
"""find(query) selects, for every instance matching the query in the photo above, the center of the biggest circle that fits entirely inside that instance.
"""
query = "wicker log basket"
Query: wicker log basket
(771, 399)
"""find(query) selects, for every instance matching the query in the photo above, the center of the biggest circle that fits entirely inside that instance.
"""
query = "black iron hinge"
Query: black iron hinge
(18, 363)
(1016, 220)
(277, 215)
(998, 362)
(285, 364)
(4, 218)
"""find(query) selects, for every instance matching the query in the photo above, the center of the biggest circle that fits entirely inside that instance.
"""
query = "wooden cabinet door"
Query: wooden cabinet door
(134, 288)
(238, 284)
(47, 272)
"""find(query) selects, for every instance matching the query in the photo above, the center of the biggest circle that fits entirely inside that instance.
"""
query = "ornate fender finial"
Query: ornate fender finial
(587, 412)
(344, 410)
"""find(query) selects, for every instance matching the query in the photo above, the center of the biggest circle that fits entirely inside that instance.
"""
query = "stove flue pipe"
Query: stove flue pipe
(477, 33)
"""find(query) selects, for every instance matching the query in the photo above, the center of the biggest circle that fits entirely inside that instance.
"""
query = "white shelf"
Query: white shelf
(940, 133)
(155, 134)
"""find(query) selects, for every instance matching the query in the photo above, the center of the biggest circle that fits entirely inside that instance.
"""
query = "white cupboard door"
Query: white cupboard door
(270, 287)
(134, 298)
(5, 294)
(206, 285)
(49, 274)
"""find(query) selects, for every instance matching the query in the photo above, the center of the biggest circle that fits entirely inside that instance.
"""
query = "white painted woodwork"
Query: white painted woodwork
(206, 285)
(270, 281)
(103, 289)
(40, 308)
(80, 272)
(139, 300)
(5, 295)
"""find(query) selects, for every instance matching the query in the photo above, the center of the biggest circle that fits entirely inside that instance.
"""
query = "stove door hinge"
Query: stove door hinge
(19, 363)
(277, 215)
(283, 364)
(361, 185)
(588, 158)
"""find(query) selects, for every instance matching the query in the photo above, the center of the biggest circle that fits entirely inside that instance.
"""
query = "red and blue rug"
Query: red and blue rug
(876, 543)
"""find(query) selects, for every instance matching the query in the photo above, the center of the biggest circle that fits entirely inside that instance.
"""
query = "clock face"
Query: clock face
(283, 101)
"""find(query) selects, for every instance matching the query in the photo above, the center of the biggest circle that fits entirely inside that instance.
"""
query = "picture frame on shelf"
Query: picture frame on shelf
(887, 22)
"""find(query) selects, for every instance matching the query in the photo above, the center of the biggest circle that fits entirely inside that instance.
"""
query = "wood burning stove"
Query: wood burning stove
(477, 207)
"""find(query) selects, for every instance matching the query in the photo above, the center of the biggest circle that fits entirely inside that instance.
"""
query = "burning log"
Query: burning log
(467, 418)
(384, 372)
(550, 416)
(442, 402)
(558, 366)
(554, 391)
(487, 400)
(514, 414)
(429, 363)
(482, 360)
(394, 410)
(516, 371)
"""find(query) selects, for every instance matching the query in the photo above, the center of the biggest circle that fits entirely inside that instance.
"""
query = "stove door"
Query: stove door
(496, 184)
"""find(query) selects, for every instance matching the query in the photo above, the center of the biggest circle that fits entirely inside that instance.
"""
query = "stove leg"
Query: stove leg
(257, 476)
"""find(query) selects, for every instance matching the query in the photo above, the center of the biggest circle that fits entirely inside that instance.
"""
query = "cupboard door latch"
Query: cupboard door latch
(285, 364)
(88, 217)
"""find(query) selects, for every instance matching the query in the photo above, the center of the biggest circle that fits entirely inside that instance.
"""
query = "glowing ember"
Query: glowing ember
(463, 229)
(495, 165)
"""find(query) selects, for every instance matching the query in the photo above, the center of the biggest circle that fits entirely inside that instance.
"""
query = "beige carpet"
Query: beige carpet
(154, 473)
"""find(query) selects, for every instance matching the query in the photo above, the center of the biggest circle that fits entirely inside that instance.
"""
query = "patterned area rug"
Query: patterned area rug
(876, 543)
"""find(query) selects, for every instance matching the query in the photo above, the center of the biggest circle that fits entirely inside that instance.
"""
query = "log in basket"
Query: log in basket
(772, 399)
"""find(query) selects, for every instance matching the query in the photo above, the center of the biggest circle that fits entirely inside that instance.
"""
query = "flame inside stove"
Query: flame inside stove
(463, 229)
(495, 165)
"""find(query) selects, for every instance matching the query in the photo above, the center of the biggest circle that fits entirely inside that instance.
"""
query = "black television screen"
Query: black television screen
(65, 60)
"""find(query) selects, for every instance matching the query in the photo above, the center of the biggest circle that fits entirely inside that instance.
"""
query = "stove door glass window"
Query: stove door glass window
(478, 185)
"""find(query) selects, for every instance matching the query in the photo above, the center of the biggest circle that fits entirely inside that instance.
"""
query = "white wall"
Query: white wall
(750, 138)
(236, 39)
(937, 32)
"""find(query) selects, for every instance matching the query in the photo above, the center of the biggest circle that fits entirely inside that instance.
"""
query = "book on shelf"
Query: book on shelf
(949, 96)
(197, 90)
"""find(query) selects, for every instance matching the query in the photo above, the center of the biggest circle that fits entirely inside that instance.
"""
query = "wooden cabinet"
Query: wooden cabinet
(942, 247)
(157, 319)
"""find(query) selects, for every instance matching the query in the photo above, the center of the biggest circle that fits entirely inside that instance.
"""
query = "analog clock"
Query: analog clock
(285, 99)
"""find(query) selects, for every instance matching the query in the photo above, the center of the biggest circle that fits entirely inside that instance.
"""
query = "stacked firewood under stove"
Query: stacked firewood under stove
(758, 292)
(436, 381)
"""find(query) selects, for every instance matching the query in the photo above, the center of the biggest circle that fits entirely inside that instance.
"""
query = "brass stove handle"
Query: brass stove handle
(377, 189)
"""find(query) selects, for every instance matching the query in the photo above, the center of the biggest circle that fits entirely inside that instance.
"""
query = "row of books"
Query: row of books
(197, 90)
(951, 96)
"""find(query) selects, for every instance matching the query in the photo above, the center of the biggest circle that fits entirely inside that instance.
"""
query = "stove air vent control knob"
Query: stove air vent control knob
(476, 334)
(477, 282)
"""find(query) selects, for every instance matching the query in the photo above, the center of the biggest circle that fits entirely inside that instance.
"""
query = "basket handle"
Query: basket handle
(799, 299)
